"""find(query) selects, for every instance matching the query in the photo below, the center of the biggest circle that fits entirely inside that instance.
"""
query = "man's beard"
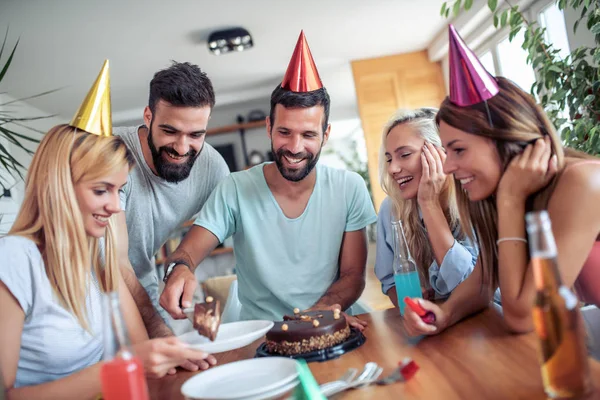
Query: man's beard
(169, 171)
(295, 175)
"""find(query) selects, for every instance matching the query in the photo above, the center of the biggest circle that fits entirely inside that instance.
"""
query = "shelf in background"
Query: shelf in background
(236, 127)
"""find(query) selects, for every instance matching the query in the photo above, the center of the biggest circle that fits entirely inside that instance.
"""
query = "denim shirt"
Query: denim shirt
(456, 266)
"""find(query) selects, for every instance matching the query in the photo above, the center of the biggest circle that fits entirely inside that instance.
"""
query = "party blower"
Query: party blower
(427, 316)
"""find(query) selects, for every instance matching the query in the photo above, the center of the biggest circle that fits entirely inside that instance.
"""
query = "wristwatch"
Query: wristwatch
(170, 269)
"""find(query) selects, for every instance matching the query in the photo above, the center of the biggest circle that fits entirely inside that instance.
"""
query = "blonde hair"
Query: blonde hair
(517, 121)
(50, 215)
(423, 122)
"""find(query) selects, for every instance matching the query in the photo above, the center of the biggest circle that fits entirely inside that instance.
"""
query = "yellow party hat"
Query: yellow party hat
(94, 114)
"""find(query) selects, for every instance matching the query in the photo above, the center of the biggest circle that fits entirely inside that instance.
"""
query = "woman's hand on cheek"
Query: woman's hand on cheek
(528, 172)
(432, 176)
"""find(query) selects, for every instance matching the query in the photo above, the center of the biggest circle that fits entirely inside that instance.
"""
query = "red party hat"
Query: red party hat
(302, 74)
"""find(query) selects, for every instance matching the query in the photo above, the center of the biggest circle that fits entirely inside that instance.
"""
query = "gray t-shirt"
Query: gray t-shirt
(53, 343)
(155, 208)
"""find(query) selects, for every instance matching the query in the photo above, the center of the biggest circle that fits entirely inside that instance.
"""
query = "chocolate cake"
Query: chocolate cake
(306, 332)
(207, 318)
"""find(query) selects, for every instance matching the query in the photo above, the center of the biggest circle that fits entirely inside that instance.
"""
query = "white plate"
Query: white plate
(273, 394)
(247, 379)
(230, 336)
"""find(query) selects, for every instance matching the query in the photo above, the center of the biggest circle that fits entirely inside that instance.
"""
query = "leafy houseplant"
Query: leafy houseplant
(569, 88)
(8, 122)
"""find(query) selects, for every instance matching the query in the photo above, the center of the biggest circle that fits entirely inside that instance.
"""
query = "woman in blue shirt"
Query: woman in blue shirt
(423, 198)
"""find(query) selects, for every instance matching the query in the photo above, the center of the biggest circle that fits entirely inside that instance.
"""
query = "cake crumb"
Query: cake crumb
(315, 323)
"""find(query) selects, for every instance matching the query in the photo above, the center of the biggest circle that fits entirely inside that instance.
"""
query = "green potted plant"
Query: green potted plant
(10, 124)
(571, 84)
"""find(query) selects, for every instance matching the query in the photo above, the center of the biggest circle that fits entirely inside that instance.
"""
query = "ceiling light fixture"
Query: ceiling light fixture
(228, 40)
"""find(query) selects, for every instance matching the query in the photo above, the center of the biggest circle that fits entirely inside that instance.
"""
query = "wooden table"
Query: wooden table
(475, 359)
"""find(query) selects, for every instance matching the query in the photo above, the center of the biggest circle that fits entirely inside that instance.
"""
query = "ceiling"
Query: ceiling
(64, 42)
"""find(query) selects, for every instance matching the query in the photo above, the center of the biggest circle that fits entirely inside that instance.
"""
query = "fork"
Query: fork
(370, 373)
(346, 379)
(343, 380)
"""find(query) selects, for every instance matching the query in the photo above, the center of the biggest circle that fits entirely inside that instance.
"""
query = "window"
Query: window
(487, 60)
(502, 57)
(553, 20)
(513, 62)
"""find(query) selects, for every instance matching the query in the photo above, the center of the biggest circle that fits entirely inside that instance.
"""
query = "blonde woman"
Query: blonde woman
(423, 198)
(516, 165)
(52, 276)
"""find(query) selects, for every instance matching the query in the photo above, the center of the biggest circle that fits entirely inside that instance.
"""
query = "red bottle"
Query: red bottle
(122, 374)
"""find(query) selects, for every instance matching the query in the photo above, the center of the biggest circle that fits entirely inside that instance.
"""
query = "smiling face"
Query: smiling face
(175, 138)
(99, 199)
(403, 148)
(473, 160)
(297, 138)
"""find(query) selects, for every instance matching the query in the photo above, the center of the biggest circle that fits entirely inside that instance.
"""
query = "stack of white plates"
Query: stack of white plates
(255, 379)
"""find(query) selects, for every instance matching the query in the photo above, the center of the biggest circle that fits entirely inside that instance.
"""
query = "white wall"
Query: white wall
(10, 206)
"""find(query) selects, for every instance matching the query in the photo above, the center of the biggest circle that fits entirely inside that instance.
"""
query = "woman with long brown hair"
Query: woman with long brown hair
(508, 160)
(516, 165)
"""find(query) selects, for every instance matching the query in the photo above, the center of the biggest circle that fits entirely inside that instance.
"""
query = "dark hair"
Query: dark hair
(183, 85)
(290, 99)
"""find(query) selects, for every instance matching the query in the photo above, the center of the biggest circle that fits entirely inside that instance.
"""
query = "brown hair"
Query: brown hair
(517, 120)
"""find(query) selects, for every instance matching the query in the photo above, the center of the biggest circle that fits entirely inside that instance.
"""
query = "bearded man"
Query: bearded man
(175, 173)
(298, 227)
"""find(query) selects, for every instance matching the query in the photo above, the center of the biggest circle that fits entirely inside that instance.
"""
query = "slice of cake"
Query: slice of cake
(306, 332)
(207, 318)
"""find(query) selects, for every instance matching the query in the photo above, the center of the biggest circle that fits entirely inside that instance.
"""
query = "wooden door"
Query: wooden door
(386, 84)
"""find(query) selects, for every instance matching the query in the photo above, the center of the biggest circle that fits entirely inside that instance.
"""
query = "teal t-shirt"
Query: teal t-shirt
(284, 263)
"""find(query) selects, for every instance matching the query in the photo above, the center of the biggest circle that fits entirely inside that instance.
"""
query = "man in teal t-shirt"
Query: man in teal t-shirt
(298, 227)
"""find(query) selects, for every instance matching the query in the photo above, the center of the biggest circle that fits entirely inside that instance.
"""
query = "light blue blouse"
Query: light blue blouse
(456, 266)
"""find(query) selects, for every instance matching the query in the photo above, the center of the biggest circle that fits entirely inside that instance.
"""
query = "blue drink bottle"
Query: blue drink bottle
(406, 274)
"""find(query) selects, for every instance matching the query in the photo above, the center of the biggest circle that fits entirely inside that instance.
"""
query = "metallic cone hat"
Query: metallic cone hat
(302, 74)
(470, 83)
(94, 114)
